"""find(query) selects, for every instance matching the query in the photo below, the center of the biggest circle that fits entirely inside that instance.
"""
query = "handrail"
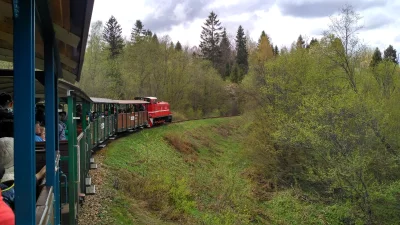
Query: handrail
(79, 137)
(45, 202)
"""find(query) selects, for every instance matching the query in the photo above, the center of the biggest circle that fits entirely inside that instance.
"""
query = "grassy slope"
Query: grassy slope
(191, 172)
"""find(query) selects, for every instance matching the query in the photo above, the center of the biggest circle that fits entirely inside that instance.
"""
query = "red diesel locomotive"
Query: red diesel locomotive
(159, 112)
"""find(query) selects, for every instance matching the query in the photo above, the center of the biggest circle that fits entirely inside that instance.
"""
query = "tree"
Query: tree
(178, 46)
(155, 38)
(93, 74)
(376, 58)
(226, 56)
(345, 47)
(148, 33)
(171, 45)
(300, 42)
(390, 54)
(263, 34)
(210, 39)
(276, 51)
(264, 50)
(241, 51)
(313, 42)
(138, 32)
(112, 34)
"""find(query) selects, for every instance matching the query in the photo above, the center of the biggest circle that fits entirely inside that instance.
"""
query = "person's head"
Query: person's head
(37, 128)
(6, 101)
(7, 158)
(63, 116)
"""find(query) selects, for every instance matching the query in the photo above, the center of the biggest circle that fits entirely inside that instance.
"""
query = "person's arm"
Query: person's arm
(41, 174)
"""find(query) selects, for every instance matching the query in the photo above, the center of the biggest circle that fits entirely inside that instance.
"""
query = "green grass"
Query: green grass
(185, 173)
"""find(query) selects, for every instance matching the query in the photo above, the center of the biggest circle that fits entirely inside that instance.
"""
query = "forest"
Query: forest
(321, 116)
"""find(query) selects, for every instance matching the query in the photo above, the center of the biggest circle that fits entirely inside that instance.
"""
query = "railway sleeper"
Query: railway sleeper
(93, 166)
(88, 181)
(91, 190)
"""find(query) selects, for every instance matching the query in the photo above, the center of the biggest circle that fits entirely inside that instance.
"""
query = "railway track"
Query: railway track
(204, 118)
(125, 134)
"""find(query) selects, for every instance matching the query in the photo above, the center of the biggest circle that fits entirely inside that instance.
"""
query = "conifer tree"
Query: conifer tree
(276, 50)
(210, 39)
(313, 42)
(264, 50)
(263, 34)
(112, 34)
(226, 56)
(155, 38)
(241, 51)
(390, 54)
(300, 42)
(138, 32)
(178, 46)
(376, 58)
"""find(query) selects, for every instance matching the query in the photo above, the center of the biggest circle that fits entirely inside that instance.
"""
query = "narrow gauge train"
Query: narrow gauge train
(46, 41)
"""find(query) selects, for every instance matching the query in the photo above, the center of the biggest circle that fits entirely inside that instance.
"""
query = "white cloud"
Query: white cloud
(179, 12)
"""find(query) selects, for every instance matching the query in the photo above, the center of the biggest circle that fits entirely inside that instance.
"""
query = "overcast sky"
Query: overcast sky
(283, 20)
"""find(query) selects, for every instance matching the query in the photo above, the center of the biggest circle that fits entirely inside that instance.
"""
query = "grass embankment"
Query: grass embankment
(198, 172)
(192, 172)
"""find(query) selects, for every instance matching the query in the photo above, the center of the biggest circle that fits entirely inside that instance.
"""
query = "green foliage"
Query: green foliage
(288, 207)
(327, 126)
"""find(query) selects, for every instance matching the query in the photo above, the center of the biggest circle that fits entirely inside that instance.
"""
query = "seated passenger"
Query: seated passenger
(37, 133)
(6, 116)
(7, 162)
(43, 133)
(62, 126)
(7, 216)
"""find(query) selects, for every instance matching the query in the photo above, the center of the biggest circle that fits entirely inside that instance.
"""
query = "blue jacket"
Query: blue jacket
(8, 194)
(38, 139)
